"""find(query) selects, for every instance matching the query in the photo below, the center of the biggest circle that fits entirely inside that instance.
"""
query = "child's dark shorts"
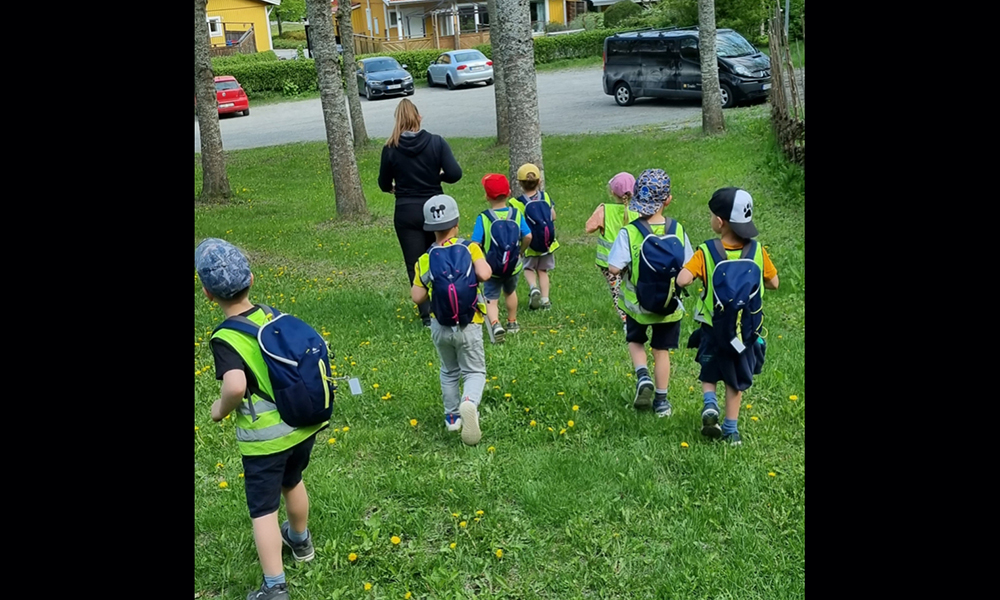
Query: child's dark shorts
(264, 476)
(493, 286)
(666, 336)
(735, 370)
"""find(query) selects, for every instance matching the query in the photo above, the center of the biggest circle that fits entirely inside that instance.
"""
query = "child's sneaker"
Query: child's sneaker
(427, 322)
(662, 408)
(498, 332)
(470, 422)
(534, 298)
(513, 327)
(302, 551)
(453, 422)
(546, 304)
(278, 592)
(733, 439)
(710, 421)
(643, 393)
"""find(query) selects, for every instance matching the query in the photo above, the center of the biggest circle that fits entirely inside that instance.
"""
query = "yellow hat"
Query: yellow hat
(525, 170)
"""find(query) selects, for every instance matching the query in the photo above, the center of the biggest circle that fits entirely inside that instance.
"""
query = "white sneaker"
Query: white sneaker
(470, 422)
(452, 422)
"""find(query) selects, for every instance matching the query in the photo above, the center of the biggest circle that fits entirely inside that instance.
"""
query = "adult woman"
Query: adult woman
(414, 163)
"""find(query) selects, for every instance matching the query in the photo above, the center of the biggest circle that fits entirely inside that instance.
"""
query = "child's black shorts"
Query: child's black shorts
(264, 476)
(736, 371)
(666, 336)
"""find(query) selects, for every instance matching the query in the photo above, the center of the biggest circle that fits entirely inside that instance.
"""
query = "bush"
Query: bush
(588, 21)
(273, 76)
(571, 45)
(618, 12)
(298, 34)
(220, 62)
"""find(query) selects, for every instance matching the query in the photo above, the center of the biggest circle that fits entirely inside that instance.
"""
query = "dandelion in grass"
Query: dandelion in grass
(793, 397)
(452, 545)
(684, 444)
(562, 431)
(532, 423)
(506, 395)
(368, 586)
(462, 524)
(560, 393)
(571, 423)
(499, 553)
(241, 475)
(772, 474)
(575, 408)
(352, 557)
(413, 422)
(331, 441)
(749, 406)
(479, 513)
(395, 540)
(223, 484)
(571, 371)
(346, 429)
(753, 418)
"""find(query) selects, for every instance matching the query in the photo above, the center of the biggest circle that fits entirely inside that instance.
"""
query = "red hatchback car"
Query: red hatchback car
(230, 95)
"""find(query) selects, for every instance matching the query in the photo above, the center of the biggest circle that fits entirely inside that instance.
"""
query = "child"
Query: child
(732, 219)
(609, 220)
(274, 453)
(456, 326)
(539, 255)
(503, 245)
(649, 298)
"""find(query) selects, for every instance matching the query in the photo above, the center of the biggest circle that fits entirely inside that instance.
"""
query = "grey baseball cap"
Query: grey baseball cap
(223, 269)
(440, 213)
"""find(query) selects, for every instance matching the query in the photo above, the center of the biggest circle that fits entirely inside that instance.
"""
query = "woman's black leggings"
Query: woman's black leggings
(413, 240)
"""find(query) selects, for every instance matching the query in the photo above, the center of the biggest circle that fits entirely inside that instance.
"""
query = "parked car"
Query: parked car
(230, 95)
(460, 67)
(666, 64)
(383, 76)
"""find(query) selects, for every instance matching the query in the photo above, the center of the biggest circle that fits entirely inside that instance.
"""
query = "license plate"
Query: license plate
(225, 105)
(393, 87)
(477, 68)
(767, 86)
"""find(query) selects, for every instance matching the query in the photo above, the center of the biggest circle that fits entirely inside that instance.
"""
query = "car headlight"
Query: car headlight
(407, 79)
(376, 83)
(741, 70)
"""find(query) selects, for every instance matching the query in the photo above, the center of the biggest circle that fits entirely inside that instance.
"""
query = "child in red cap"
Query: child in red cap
(503, 235)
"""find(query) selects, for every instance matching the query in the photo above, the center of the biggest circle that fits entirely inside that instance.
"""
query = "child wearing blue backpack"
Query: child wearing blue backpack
(540, 213)
(734, 268)
(449, 274)
(650, 252)
(503, 234)
(274, 371)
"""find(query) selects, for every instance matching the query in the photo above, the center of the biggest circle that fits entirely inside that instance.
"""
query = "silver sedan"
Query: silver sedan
(460, 67)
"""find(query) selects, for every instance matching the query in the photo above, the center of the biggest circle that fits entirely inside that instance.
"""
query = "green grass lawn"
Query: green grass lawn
(796, 49)
(616, 504)
(286, 26)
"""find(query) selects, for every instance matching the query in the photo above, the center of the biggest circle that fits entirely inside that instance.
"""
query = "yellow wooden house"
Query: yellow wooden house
(240, 26)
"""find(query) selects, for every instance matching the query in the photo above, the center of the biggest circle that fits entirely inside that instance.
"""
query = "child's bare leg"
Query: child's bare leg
(492, 310)
(529, 276)
(297, 506)
(661, 371)
(543, 283)
(638, 354)
(511, 300)
(267, 538)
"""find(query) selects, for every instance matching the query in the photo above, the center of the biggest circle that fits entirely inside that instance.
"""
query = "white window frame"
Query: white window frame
(215, 23)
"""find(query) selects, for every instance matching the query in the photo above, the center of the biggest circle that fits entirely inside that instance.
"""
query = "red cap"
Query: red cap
(496, 185)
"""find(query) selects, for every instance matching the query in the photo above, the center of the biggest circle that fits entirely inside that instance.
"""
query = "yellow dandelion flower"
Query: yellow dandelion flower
(241, 475)
(562, 431)
(336, 430)
(526, 409)
(793, 397)
(506, 395)
(375, 386)
(352, 557)
(413, 422)
(572, 371)
(452, 545)
(550, 429)
(576, 408)
(772, 474)
(219, 465)
(395, 540)
(353, 363)
(346, 429)
(491, 449)
(513, 381)
(223, 484)
(684, 444)
(407, 596)
(533, 423)
(558, 351)
(753, 418)
(499, 553)
(560, 393)
(196, 428)
(227, 416)
(476, 519)
(749, 406)
(571, 423)
(462, 524)
(331, 441)
(479, 512)
(456, 515)
(368, 586)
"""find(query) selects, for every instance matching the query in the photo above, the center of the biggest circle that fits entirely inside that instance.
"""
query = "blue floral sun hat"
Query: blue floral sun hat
(651, 190)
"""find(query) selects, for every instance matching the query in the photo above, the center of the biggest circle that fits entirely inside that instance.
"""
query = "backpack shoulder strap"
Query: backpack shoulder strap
(641, 225)
(716, 249)
(511, 213)
(245, 325)
(749, 249)
(670, 226)
(491, 215)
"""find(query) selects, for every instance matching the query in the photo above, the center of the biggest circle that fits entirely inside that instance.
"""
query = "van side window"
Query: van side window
(689, 48)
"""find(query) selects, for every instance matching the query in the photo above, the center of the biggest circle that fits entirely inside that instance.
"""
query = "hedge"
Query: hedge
(269, 75)
(220, 62)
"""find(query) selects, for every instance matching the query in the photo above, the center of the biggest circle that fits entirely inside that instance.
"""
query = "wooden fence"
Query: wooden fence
(364, 44)
(787, 108)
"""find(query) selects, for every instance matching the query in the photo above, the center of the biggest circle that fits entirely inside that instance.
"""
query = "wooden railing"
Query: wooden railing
(364, 44)
(239, 39)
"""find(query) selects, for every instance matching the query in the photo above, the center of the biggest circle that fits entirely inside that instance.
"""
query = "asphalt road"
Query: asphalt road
(569, 102)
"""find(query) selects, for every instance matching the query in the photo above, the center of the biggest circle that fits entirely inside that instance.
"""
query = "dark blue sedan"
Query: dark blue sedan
(383, 76)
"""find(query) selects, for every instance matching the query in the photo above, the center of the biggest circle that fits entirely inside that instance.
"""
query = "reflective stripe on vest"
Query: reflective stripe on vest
(632, 307)
(268, 434)
(705, 307)
(614, 220)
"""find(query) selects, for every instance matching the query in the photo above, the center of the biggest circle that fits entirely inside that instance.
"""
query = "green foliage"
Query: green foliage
(283, 44)
(273, 76)
(221, 62)
(294, 34)
(618, 12)
(289, 10)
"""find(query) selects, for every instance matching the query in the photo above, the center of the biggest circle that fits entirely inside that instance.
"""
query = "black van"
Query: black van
(664, 63)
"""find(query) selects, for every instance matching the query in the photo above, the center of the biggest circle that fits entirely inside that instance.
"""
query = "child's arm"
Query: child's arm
(553, 214)
(772, 283)
(483, 270)
(770, 273)
(684, 278)
(620, 254)
(692, 269)
(234, 388)
(596, 220)
(418, 294)
(385, 173)
(525, 242)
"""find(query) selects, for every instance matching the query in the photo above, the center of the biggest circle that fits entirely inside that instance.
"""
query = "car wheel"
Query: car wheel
(430, 82)
(727, 95)
(368, 93)
(448, 80)
(489, 81)
(411, 92)
(246, 113)
(623, 94)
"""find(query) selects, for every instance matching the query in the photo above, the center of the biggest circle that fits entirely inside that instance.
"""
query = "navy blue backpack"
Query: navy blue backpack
(503, 243)
(298, 365)
(738, 314)
(539, 216)
(661, 258)
(455, 296)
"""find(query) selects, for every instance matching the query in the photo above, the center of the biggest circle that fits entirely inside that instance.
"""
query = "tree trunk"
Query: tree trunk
(215, 182)
(350, 67)
(279, 24)
(712, 122)
(499, 86)
(349, 196)
(517, 52)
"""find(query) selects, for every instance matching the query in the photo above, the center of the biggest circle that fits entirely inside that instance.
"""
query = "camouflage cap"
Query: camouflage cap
(223, 269)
